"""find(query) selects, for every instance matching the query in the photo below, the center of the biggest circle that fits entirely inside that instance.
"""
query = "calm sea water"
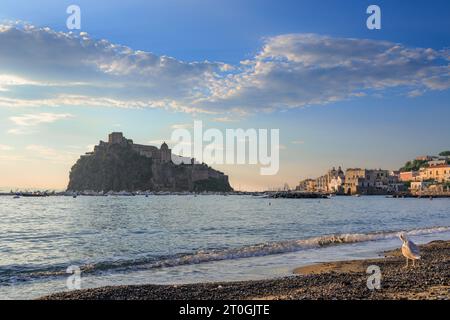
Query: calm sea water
(181, 239)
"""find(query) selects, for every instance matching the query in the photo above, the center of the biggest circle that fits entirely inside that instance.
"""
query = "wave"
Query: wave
(288, 246)
(205, 256)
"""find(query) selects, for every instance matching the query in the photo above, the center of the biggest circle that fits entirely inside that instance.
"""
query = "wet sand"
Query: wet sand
(430, 279)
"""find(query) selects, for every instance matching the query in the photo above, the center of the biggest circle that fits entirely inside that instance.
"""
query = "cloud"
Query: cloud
(24, 122)
(104, 72)
(20, 131)
(289, 71)
(4, 147)
(298, 142)
(41, 152)
(224, 119)
(35, 119)
(296, 70)
(415, 93)
(181, 126)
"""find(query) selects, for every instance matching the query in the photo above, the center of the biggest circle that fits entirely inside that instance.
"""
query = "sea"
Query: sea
(173, 239)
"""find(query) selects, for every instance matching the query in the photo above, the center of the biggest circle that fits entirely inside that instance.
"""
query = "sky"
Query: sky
(340, 94)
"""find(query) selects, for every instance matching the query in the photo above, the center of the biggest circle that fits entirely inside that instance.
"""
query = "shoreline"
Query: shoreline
(430, 279)
(259, 195)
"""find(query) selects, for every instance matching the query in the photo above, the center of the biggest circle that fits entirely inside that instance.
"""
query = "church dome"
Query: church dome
(164, 146)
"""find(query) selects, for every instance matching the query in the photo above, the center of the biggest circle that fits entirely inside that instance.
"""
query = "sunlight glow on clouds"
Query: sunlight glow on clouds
(35, 119)
(52, 155)
(4, 147)
(290, 71)
(24, 122)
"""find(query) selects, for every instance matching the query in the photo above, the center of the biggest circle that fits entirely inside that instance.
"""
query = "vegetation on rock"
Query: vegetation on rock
(113, 168)
(414, 165)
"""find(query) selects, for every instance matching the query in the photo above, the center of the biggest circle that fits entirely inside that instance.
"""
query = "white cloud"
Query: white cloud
(305, 69)
(20, 131)
(415, 93)
(4, 147)
(289, 71)
(35, 119)
(181, 126)
(41, 152)
(224, 119)
(25, 123)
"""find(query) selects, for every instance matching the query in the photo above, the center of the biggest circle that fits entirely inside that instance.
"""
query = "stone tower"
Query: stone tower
(115, 137)
(166, 153)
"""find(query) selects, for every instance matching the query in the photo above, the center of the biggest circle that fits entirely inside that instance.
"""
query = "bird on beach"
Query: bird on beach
(409, 249)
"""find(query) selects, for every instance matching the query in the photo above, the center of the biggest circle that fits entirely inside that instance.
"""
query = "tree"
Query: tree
(414, 165)
(445, 153)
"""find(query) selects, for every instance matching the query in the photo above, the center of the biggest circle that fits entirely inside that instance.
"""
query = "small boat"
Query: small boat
(16, 196)
(34, 195)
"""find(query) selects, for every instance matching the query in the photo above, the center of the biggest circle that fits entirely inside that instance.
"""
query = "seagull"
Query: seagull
(409, 249)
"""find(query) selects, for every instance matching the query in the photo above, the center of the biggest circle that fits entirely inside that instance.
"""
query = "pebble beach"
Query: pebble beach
(429, 279)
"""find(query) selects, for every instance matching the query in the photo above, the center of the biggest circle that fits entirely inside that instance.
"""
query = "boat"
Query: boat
(34, 195)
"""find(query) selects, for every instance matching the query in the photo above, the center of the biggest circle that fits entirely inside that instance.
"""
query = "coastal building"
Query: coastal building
(395, 173)
(307, 185)
(322, 184)
(355, 180)
(437, 163)
(327, 183)
(436, 172)
(409, 176)
(367, 181)
(419, 185)
(336, 184)
(424, 158)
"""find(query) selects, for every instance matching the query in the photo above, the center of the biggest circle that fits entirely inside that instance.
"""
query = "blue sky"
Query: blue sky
(341, 94)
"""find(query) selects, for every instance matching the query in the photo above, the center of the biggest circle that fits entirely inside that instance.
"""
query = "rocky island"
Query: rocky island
(120, 164)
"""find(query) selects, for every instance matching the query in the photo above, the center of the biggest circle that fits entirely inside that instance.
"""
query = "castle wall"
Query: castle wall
(148, 151)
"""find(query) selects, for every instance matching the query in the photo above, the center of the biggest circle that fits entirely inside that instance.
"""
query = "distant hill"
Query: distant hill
(118, 167)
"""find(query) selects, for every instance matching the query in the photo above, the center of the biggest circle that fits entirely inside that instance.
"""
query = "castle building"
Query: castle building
(161, 155)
